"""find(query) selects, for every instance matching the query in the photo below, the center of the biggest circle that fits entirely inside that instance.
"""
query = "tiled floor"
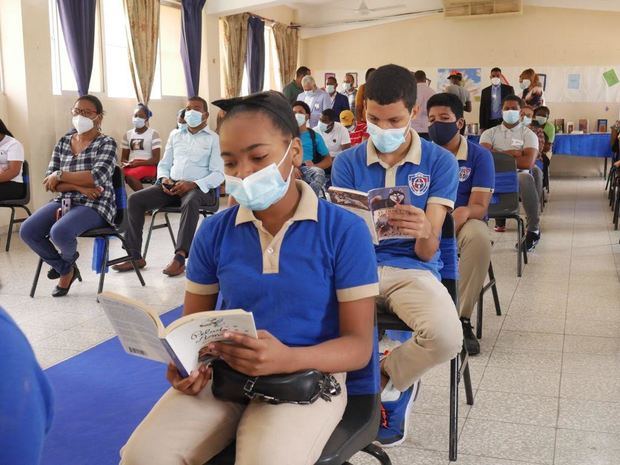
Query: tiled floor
(546, 384)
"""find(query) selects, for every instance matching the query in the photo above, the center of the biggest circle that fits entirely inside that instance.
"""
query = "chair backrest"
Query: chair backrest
(213, 204)
(120, 197)
(448, 249)
(506, 193)
(26, 177)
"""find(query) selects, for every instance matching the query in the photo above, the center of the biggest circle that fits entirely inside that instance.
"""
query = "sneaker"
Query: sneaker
(469, 338)
(531, 239)
(395, 414)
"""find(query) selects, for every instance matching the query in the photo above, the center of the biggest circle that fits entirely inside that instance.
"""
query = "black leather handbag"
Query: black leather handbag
(304, 387)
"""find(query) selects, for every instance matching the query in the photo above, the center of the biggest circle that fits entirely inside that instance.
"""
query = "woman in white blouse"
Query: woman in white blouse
(12, 185)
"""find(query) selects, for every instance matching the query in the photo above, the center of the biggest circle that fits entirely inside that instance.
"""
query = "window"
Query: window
(62, 73)
(271, 79)
(172, 74)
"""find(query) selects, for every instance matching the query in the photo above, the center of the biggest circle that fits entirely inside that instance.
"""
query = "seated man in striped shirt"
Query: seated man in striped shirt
(357, 129)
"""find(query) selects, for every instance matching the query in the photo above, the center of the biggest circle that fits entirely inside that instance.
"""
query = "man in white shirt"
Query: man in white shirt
(188, 177)
(420, 123)
(336, 136)
(317, 99)
(516, 139)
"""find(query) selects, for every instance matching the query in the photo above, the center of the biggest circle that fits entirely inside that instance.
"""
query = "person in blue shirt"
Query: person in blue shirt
(188, 176)
(476, 182)
(409, 279)
(26, 404)
(259, 256)
(316, 162)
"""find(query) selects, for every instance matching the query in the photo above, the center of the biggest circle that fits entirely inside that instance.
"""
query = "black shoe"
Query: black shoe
(63, 291)
(469, 338)
(53, 274)
(531, 239)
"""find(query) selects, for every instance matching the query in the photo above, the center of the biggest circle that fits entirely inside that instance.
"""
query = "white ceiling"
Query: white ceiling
(319, 17)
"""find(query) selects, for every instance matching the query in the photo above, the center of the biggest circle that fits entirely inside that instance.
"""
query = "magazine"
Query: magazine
(373, 207)
(143, 334)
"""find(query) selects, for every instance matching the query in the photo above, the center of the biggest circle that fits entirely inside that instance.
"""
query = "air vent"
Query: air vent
(477, 8)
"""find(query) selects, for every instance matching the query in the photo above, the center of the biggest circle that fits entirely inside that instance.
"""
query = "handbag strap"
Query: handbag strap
(328, 388)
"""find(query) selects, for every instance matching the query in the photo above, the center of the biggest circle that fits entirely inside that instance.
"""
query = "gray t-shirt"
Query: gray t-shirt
(460, 92)
(502, 138)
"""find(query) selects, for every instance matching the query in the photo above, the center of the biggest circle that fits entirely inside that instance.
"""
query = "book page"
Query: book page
(382, 202)
(356, 202)
(136, 329)
(187, 336)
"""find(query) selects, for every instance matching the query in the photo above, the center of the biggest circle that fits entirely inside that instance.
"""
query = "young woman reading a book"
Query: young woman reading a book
(260, 256)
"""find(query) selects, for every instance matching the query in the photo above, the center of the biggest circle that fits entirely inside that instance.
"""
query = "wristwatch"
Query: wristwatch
(58, 174)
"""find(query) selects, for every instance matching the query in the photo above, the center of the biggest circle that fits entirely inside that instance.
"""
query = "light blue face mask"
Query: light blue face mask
(387, 140)
(182, 126)
(262, 189)
(511, 116)
(527, 120)
(193, 118)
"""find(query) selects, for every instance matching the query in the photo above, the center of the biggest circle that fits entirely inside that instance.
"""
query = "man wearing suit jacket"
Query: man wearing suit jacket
(340, 102)
(491, 101)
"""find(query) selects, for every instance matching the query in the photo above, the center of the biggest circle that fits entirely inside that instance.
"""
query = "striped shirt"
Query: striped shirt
(359, 134)
(100, 159)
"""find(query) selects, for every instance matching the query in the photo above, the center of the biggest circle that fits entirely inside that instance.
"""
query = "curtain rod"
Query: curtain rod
(294, 26)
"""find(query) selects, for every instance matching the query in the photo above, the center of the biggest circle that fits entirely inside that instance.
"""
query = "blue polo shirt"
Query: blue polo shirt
(293, 282)
(25, 398)
(430, 172)
(306, 143)
(476, 171)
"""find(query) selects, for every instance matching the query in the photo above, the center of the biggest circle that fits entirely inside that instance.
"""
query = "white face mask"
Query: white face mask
(526, 120)
(323, 126)
(347, 86)
(138, 123)
(496, 81)
(262, 189)
(525, 84)
(301, 119)
(82, 124)
(330, 88)
(542, 120)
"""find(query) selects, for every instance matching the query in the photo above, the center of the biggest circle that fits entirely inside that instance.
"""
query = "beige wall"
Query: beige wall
(540, 37)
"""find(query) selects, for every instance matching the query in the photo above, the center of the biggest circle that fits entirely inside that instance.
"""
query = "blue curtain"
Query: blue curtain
(77, 19)
(191, 43)
(255, 58)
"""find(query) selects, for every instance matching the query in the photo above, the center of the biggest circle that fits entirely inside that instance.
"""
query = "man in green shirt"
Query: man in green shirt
(294, 88)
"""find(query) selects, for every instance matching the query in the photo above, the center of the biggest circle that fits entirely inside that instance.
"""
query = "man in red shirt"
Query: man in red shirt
(357, 130)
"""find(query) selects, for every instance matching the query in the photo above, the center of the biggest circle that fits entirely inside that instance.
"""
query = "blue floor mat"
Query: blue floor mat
(100, 396)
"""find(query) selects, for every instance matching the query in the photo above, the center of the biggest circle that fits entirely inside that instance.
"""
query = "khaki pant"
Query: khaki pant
(423, 303)
(187, 430)
(475, 250)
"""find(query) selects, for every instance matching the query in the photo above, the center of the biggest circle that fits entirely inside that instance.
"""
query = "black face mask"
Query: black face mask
(442, 133)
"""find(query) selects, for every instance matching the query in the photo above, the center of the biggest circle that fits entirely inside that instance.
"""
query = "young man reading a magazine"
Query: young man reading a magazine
(409, 278)
(257, 256)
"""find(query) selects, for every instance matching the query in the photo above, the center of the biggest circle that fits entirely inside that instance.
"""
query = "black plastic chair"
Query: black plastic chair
(505, 201)
(18, 203)
(492, 284)
(459, 365)
(210, 208)
(117, 230)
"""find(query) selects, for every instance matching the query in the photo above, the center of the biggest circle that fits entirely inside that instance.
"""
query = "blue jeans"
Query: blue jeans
(41, 231)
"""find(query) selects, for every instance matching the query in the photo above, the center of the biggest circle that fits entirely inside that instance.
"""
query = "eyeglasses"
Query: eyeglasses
(79, 111)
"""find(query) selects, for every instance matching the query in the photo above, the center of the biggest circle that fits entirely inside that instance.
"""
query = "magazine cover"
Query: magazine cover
(382, 202)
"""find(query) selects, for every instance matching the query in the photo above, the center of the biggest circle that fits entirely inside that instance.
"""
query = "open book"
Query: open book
(142, 333)
(373, 207)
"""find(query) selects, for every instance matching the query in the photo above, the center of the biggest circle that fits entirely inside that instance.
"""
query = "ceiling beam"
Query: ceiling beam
(230, 7)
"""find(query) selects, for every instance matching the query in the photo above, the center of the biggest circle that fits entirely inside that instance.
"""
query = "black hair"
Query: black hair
(4, 130)
(331, 114)
(446, 100)
(420, 76)
(369, 71)
(302, 71)
(332, 77)
(196, 98)
(94, 100)
(303, 105)
(391, 83)
(271, 104)
(145, 109)
(496, 69)
(544, 109)
(513, 98)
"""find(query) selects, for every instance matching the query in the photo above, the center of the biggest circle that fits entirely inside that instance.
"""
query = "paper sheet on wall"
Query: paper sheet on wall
(574, 81)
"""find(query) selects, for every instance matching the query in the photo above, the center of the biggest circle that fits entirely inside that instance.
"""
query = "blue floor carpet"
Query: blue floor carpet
(100, 396)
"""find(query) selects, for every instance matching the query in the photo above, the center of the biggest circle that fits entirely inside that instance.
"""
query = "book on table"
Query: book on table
(374, 208)
(184, 342)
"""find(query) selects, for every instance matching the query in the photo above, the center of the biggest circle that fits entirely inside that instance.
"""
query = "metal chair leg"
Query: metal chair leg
(454, 408)
(378, 453)
(170, 231)
(35, 281)
(498, 309)
(469, 393)
(479, 319)
(148, 236)
(10, 233)
(104, 264)
(520, 244)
